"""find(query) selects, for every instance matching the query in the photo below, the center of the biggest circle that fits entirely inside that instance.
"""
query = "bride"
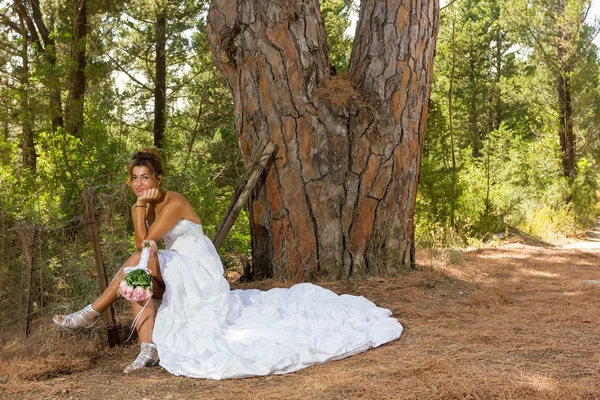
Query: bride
(201, 328)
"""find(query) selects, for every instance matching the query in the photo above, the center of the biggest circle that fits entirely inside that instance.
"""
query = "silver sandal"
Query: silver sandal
(82, 319)
(148, 357)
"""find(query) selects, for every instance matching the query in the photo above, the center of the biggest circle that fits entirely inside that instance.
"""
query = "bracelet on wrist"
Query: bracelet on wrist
(144, 206)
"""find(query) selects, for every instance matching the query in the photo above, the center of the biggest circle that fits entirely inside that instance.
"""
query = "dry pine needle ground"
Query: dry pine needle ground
(508, 323)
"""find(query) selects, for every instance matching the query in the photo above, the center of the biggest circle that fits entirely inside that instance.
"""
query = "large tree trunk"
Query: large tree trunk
(74, 111)
(160, 89)
(338, 200)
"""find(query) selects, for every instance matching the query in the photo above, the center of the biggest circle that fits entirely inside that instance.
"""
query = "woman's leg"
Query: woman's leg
(145, 312)
(110, 294)
(88, 317)
(145, 323)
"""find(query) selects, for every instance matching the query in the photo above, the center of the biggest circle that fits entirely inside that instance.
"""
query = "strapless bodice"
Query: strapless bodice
(185, 234)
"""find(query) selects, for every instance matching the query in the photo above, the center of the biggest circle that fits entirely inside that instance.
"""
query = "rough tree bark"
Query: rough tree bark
(74, 110)
(338, 200)
(160, 89)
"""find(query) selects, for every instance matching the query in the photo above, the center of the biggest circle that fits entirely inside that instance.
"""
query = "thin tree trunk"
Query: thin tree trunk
(2, 246)
(74, 110)
(339, 199)
(473, 113)
(54, 88)
(27, 142)
(498, 107)
(450, 117)
(565, 107)
(31, 284)
(28, 238)
(565, 125)
(49, 53)
(160, 90)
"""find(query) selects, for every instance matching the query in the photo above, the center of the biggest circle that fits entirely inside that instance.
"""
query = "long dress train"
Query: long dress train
(204, 330)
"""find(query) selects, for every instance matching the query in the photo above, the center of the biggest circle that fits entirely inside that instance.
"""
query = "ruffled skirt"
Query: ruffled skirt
(204, 330)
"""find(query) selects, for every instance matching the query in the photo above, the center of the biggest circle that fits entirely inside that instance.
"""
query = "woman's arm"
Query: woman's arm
(138, 215)
(171, 213)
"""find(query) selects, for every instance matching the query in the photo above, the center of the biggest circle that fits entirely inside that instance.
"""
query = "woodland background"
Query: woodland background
(511, 142)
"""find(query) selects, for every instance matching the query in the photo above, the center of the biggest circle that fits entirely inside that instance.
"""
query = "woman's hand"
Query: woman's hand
(149, 196)
(153, 248)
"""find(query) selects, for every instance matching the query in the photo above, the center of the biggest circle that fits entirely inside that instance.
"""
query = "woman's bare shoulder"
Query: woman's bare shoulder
(174, 199)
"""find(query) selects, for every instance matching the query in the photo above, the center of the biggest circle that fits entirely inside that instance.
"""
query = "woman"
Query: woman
(204, 330)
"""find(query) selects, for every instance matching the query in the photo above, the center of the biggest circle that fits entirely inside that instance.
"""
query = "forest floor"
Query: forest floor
(515, 320)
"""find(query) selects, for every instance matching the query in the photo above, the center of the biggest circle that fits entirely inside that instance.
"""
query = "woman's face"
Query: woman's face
(140, 180)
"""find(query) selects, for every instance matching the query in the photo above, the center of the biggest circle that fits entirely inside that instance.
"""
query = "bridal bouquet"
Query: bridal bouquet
(137, 282)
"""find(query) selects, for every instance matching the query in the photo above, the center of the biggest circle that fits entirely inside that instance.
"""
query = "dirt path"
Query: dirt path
(514, 322)
(590, 242)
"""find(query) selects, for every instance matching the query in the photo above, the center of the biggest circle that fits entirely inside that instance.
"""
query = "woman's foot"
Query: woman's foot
(148, 357)
(82, 319)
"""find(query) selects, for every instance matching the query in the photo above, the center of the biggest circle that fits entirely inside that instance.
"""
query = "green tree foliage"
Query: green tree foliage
(336, 16)
(200, 148)
(502, 65)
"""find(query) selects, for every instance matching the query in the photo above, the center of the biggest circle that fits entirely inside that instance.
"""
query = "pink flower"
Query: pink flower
(123, 288)
(138, 294)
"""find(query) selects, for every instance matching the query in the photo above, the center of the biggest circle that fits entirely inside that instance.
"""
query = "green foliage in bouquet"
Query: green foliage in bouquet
(138, 277)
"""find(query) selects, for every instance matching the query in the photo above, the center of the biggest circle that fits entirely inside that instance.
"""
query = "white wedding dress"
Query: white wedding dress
(204, 330)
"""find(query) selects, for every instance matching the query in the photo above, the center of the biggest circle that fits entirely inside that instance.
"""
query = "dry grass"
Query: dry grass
(508, 323)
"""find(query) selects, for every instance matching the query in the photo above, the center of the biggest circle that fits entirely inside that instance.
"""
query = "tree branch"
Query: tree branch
(540, 46)
(8, 47)
(448, 5)
(10, 23)
(177, 88)
(133, 78)
(39, 22)
(195, 132)
(22, 11)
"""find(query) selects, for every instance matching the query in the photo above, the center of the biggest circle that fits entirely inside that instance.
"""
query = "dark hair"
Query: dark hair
(147, 157)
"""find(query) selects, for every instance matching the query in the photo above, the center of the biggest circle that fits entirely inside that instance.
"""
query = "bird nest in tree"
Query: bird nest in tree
(339, 92)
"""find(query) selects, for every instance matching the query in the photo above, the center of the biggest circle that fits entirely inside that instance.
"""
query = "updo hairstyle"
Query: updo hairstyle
(147, 157)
